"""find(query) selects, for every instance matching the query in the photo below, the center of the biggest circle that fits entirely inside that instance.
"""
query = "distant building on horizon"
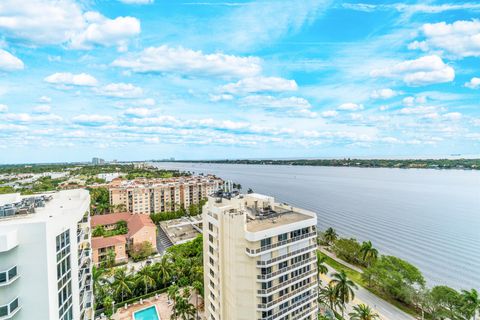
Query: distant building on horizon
(45, 264)
(98, 161)
(259, 259)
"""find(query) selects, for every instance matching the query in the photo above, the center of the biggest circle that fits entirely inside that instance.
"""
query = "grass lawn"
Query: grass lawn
(357, 278)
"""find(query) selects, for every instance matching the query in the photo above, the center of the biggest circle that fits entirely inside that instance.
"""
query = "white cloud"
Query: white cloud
(453, 116)
(261, 23)
(329, 114)
(419, 110)
(69, 79)
(138, 112)
(459, 39)
(386, 93)
(220, 97)
(27, 118)
(8, 62)
(45, 99)
(349, 106)
(474, 83)
(411, 101)
(3, 108)
(106, 32)
(92, 120)
(274, 102)
(259, 84)
(422, 71)
(42, 109)
(189, 62)
(303, 113)
(46, 22)
(120, 90)
(137, 1)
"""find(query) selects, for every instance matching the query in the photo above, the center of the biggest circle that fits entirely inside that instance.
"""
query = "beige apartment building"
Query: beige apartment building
(259, 259)
(148, 196)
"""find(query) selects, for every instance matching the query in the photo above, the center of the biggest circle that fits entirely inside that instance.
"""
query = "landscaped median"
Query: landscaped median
(356, 277)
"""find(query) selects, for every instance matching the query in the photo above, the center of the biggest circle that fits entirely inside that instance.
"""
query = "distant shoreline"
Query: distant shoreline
(440, 164)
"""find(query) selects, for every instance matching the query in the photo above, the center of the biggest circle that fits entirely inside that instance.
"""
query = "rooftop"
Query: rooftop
(42, 206)
(279, 218)
(144, 182)
(102, 242)
(183, 229)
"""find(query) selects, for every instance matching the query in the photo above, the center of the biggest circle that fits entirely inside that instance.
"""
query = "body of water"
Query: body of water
(430, 218)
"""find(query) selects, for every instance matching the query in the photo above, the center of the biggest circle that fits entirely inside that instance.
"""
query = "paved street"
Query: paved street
(385, 310)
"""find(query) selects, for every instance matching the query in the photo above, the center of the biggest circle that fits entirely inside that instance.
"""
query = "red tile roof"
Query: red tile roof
(110, 218)
(135, 222)
(102, 242)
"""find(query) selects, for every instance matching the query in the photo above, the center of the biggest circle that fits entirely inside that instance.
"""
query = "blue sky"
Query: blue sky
(200, 79)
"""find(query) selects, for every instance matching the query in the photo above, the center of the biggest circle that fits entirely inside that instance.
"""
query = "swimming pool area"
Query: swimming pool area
(149, 313)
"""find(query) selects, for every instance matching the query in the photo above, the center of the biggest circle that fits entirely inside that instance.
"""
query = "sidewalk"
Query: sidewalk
(334, 257)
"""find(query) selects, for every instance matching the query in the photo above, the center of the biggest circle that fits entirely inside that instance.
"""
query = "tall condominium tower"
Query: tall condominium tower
(259, 259)
(45, 265)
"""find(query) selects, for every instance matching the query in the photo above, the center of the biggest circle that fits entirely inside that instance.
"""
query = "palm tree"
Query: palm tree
(369, 253)
(122, 283)
(321, 267)
(470, 303)
(99, 281)
(183, 309)
(343, 287)
(328, 295)
(163, 271)
(145, 277)
(363, 312)
(198, 288)
(330, 235)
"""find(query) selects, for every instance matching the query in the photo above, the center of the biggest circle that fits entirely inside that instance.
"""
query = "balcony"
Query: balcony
(287, 269)
(285, 284)
(291, 308)
(9, 276)
(285, 256)
(9, 310)
(261, 250)
(266, 306)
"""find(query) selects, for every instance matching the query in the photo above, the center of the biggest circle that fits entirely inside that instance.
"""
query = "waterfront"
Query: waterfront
(428, 217)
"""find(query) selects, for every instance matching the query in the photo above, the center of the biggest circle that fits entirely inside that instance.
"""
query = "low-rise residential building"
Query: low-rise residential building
(140, 229)
(45, 262)
(148, 196)
(259, 259)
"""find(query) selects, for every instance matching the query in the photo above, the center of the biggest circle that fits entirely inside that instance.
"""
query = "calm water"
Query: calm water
(429, 217)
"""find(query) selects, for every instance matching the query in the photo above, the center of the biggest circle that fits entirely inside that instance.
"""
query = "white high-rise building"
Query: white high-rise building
(259, 259)
(45, 265)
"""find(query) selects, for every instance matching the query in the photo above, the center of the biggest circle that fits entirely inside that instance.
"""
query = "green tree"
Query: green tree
(330, 235)
(344, 288)
(363, 312)
(163, 271)
(146, 278)
(99, 282)
(448, 299)
(396, 277)
(470, 303)
(368, 252)
(122, 283)
(182, 308)
(198, 289)
(347, 249)
(328, 295)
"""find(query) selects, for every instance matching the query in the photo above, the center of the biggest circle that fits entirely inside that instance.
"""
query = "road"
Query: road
(385, 310)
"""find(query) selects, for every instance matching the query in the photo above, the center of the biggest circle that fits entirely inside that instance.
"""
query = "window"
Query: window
(282, 237)
(283, 278)
(210, 238)
(282, 265)
(266, 270)
(210, 226)
(266, 300)
(265, 242)
(266, 285)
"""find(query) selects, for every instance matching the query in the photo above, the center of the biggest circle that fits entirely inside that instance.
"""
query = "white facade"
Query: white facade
(45, 267)
(259, 259)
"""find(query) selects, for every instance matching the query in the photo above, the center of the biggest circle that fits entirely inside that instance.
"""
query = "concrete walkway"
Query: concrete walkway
(385, 310)
(334, 257)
